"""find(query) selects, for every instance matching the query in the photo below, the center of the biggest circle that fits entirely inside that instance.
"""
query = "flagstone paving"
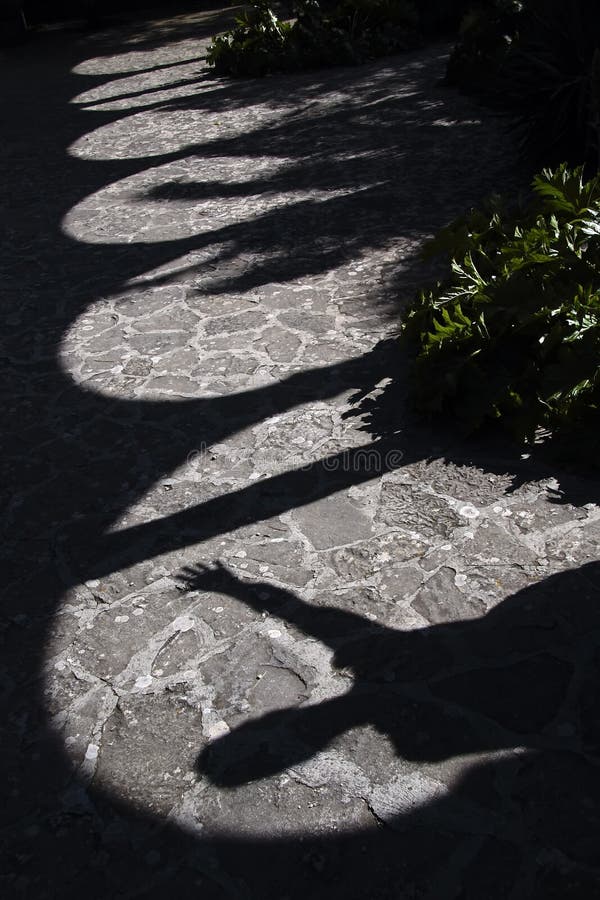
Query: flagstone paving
(267, 636)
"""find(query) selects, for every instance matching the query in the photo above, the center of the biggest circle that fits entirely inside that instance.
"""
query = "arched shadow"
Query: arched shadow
(75, 460)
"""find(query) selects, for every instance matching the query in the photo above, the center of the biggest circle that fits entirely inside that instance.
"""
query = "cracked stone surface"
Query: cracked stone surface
(253, 647)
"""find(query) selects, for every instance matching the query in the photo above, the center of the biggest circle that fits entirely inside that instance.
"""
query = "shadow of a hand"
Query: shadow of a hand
(214, 577)
(217, 577)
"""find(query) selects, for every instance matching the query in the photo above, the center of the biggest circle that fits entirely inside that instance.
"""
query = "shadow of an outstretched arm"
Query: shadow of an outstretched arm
(412, 686)
(330, 625)
(277, 741)
(284, 738)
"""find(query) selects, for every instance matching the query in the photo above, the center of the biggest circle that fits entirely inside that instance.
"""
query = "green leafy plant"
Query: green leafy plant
(539, 60)
(445, 16)
(351, 31)
(255, 45)
(513, 334)
(486, 35)
(551, 80)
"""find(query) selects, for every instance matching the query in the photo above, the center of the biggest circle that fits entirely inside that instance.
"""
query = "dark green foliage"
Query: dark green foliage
(551, 79)
(256, 44)
(332, 32)
(487, 33)
(540, 61)
(444, 16)
(514, 333)
(352, 31)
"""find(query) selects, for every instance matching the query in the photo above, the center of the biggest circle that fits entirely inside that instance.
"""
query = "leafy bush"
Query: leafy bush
(334, 32)
(444, 16)
(486, 36)
(349, 32)
(514, 333)
(540, 61)
(551, 79)
(255, 45)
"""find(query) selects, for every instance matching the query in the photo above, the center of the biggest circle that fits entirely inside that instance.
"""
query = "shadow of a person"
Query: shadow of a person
(491, 683)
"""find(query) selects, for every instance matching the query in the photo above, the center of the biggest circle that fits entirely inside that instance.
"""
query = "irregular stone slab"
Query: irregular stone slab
(416, 511)
(439, 600)
(148, 749)
(199, 301)
(332, 522)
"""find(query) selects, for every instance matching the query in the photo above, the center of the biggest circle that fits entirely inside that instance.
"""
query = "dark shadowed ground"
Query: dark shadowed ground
(261, 638)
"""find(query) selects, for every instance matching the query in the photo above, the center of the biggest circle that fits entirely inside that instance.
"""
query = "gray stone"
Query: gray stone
(439, 600)
(149, 746)
(332, 522)
(389, 691)
(416, 511)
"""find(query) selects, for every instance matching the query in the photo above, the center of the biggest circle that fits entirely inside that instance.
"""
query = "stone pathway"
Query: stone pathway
(263, 639)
